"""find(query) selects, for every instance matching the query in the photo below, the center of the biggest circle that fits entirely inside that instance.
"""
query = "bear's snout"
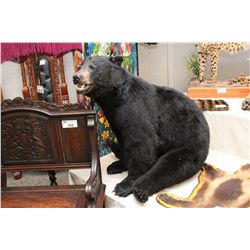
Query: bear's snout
(76, 79)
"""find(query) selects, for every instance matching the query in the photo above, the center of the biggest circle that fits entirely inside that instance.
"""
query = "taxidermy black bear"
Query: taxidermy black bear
(163, 137)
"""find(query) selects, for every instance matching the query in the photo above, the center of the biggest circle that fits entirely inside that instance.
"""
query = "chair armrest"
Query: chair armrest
(94, 182)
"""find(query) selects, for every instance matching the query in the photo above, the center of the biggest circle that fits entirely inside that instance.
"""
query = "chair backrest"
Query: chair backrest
(37, 134)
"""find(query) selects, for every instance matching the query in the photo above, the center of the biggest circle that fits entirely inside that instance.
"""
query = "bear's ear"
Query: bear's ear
(116, 60)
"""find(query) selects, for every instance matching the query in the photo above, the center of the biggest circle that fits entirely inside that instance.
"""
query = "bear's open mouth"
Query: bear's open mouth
(83, 87)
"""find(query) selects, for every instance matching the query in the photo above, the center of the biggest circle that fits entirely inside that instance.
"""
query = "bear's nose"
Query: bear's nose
(76, 79)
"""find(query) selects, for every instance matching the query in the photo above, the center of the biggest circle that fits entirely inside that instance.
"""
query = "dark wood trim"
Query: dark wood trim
(44, 107)
(2, 98)
(48, 196)
(94, 181)
(55, 80)
(64, 88)
(30, 62)
(44, 188)
(100, 202)
(26, 92)
(3, 179)
(46, 167)
(81, 201)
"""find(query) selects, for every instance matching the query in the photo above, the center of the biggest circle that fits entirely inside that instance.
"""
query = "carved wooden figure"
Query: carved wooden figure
(30, 62)
(26, 92)
(64, 89)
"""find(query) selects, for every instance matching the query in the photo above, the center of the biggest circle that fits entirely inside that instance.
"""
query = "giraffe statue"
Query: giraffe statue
(213, 49)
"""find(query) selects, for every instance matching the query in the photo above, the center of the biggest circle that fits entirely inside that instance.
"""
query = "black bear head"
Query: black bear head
(99, 76)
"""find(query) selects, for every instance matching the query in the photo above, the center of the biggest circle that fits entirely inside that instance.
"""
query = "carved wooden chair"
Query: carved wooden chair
(39, 136)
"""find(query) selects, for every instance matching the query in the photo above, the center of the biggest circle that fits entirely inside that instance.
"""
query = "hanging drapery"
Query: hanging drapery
(13, 51)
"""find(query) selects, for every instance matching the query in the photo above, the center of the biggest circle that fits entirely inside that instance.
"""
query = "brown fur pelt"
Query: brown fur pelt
(211, 105)
(216, 188)
(246, 103)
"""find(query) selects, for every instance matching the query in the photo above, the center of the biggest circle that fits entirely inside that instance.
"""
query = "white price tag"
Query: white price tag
(42, 62)
(40, 89)
(69, 124)
(221, 90)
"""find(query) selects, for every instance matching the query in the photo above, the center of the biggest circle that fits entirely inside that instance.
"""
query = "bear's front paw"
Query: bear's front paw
(123, 189)
(116, 167)
(139, 193)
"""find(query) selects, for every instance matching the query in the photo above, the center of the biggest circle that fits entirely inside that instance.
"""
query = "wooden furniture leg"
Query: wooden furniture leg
(3, 180)
(52, 178)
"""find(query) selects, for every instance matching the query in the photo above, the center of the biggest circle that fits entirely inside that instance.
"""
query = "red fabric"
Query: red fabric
(11, 51)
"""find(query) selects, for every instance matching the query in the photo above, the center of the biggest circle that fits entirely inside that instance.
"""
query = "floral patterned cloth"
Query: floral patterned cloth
(129, 53)
(104, 131)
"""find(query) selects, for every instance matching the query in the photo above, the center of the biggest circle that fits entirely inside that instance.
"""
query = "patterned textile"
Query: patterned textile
(246, 103)
(129, 53)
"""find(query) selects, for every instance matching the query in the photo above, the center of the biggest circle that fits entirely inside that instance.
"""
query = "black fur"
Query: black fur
(163, 137)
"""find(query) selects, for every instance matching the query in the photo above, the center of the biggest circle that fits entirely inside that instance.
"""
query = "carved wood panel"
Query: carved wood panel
(25, 138)
(18, 102)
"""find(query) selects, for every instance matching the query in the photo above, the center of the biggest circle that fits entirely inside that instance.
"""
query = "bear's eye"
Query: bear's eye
(79, 66)
(91, 67)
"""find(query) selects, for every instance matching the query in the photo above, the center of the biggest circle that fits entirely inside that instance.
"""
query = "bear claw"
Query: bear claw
(139, 193)
(123, 189)
(115, 168)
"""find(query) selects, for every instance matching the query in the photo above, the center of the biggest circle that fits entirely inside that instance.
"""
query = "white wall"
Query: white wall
(179, 76)
(69, 72)
(153, 63)
(164, 64)
(11, 80)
